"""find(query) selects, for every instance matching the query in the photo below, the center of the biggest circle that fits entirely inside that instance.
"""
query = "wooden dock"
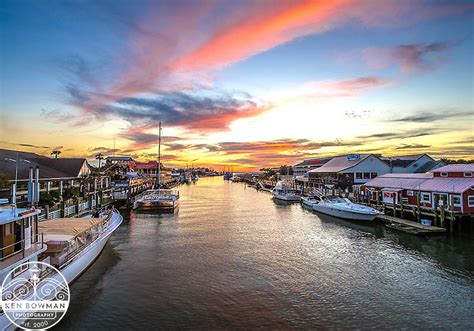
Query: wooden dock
(411, 227)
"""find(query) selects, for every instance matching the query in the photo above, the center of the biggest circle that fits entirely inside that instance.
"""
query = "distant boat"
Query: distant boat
(228, 175)
(344, 208)
(284, 191)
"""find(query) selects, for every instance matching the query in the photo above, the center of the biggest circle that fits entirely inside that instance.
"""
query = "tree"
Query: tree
(286, 170)
(99, 157)
(56, 153)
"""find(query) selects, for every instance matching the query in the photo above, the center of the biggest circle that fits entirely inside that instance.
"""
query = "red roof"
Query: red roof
(148, 165)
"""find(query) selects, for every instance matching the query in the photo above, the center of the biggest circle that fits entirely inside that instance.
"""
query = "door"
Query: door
(28, 233)
(442, 200)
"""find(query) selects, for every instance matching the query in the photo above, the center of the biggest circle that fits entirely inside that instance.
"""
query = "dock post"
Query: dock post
(418, 207)
(435, 203)
(451, 225)
(394, 205)
(442, 217)
(401, 206)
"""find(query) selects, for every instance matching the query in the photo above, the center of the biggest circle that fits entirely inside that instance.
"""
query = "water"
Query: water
(233, 258)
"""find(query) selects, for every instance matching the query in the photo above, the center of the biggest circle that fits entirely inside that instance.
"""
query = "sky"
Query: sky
(241, 84)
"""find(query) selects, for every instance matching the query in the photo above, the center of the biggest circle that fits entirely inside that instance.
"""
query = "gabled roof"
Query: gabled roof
(403, 160)
(447, 185)
(340, 163)
(468, 167)
(313, 162)
(428, 166)
(49, 167)
(400, 181)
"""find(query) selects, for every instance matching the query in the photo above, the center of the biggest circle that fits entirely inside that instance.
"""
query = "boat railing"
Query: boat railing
(100, 227)
(35, 240)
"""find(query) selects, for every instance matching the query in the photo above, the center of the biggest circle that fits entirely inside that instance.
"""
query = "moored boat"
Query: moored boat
(284, 191)
(346, 209)
(157, 199)
(309, 201)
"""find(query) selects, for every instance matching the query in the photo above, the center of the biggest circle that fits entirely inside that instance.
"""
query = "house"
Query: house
(417, 163)
(302, 168)
(348, 170)
(451, 186)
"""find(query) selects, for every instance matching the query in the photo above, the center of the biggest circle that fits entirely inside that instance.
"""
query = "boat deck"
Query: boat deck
(68, 226)
(409, 226)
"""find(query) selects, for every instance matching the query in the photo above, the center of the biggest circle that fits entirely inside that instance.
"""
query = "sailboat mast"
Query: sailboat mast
(159, 155)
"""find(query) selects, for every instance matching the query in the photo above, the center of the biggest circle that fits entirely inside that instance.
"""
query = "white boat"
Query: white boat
(157, 199)
(344, 208)
(69, 244)
(309, 201)
(284, 191)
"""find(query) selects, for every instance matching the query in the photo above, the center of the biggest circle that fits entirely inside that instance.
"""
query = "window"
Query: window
(8, 229)
(366, 175)
(410, 193)
(425, 197)
(468, 174)
(444, 174)
(20, 269)
(373, 174)
(470, 200)
(456, 200)
(358, 175)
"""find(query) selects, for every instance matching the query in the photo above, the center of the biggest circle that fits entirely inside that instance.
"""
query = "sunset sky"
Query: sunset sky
(241, 83)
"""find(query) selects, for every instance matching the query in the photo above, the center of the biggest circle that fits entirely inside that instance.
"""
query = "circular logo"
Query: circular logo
(35, 295)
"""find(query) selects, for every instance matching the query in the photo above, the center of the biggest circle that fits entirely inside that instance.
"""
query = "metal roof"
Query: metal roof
(340, 163)
(468, 167)
(447, 185)
(399, 181)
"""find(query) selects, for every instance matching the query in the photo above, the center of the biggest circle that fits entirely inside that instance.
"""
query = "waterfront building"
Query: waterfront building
(302, 168)
(450, 187)
(416, 163)
(343, 172)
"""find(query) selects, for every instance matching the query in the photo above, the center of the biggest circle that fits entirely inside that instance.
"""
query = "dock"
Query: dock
(407, 226)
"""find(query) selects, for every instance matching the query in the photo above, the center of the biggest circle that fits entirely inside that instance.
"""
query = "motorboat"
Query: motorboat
(344, 208)
(157, 199)
(285, 191)
(309, 201)
(69, 244)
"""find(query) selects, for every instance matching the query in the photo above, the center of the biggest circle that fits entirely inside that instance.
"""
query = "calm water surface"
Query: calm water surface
(233, 258)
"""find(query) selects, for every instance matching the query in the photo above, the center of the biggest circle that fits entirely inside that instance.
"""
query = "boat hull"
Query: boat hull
(80, 262)
(344, 214)
(308, 202)
(286, 197)
(156, 205)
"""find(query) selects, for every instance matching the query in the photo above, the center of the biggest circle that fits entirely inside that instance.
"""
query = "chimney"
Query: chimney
(37, 190)
(30, 187)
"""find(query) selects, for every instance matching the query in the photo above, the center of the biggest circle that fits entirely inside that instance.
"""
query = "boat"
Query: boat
(157, 199)
(344, 208)
(69, 244)
(285, 191)
(309, 201)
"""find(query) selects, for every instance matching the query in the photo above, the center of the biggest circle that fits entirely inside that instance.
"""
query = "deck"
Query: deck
(409, 226)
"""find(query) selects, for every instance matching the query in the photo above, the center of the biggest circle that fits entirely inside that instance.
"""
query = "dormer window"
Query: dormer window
(444, 174)
(468, 174)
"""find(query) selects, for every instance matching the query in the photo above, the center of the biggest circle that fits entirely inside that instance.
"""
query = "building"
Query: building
(450, 186)
(348, 170)
(302, 168)
(416, 163)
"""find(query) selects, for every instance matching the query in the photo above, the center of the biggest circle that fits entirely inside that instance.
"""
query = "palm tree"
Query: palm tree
(99, 157)
(56, 153)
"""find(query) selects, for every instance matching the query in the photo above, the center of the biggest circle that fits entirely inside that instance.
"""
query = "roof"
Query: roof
(422, 182)
(468, 167)
(340, 163)
(403, 161)
(9, 214)
(411, 157)
(313, 162)
(430, 165)
(119, 158)
(448, 185)
(399, 181)
(148, 165)
(49, 167)
(67, 226)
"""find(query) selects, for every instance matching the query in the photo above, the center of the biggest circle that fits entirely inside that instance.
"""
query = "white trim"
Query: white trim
(468, 203)
(425, 201)
(444, 174)
(467, 174)
(451, 196)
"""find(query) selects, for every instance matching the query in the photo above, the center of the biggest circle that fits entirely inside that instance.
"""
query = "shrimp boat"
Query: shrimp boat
(344, 208)
(284, 191)
(158, 199)
(69, 244)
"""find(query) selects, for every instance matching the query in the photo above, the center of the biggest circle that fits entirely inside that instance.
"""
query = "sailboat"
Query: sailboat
(157, 199)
